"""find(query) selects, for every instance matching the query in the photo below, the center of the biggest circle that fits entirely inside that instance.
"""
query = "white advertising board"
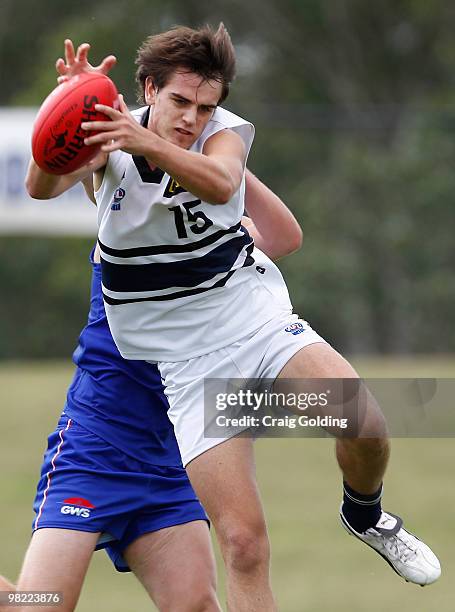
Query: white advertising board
(70, 214)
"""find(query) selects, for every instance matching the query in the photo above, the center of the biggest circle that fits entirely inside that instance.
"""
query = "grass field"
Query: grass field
(315, 565)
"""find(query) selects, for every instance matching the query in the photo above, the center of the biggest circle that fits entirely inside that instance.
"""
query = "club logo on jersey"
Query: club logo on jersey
(295, 328)
(118, 197)
(173, 188)
(77, 506)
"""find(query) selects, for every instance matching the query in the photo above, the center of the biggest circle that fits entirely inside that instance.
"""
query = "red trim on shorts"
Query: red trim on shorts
(49, 474)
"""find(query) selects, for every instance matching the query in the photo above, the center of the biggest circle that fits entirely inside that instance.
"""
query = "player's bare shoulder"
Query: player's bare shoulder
(225, 142)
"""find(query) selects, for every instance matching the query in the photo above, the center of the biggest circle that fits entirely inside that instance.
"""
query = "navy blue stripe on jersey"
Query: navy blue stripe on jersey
(183, 273)
(163, 249)
(180, 294)
(172, 296)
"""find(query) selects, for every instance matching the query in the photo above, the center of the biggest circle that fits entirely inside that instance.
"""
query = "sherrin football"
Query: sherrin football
(58, 140)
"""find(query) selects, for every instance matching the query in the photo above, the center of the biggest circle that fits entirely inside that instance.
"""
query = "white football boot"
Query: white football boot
(407, 555)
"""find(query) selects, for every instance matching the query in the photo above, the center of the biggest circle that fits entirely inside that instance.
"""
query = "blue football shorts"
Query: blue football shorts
(88, 485)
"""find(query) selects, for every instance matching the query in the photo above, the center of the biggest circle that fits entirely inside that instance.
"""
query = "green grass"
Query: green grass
(315, 565)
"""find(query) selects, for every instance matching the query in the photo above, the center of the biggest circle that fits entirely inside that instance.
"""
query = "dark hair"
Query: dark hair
(205, 52)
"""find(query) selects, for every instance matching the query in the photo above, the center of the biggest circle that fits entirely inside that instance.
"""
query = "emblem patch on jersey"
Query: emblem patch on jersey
(295, 328)
(77, 506)
(173, 188)
(119, 194)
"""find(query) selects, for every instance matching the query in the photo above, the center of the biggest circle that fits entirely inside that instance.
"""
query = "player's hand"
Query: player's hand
(121, 132)
(77, 62)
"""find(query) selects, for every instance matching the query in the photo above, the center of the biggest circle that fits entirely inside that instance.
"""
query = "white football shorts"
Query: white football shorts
(259, 355)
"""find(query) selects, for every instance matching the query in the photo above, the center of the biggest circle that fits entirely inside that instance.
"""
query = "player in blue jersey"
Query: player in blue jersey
(112, 475)
(212, 306)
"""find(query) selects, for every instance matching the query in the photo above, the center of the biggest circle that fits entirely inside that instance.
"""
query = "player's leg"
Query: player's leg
(224, 480)
(223, 475)
(57, 560)
(177, 567)
(75, 500)
(363, 461)
(5, 586)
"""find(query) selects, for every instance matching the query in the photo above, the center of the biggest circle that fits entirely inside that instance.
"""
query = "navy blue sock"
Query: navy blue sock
(361, 511)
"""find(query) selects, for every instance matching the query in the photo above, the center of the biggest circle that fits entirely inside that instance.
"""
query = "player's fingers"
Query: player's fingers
(111, 146)
(62, 79)
(122, 104)
(69, 51)
(109, 111)
(60, 66)
(101, 138)
(107, 64)
(98, 126)
(82, 52)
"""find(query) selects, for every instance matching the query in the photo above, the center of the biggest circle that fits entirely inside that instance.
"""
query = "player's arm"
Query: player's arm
(213, 175)
(272, 225)
(43, 186)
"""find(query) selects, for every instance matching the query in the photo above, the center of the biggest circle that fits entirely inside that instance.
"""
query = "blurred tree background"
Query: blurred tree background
(352, 102)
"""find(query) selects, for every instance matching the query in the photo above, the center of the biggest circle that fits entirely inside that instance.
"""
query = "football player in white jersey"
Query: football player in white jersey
(185, 287)
(153, 551)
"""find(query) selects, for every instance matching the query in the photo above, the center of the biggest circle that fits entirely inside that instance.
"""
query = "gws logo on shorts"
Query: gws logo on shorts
(118, 197)
(295, 328)
(77, 506)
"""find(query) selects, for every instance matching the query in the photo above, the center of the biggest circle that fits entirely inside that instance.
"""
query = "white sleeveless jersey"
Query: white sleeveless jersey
(181, 277)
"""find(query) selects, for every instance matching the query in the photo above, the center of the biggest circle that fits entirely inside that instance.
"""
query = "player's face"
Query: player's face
(183, 107)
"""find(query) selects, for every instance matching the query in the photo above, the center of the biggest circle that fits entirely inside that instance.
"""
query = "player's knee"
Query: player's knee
(202, 601)
(199, 598)
(247, 549)
(376, 425)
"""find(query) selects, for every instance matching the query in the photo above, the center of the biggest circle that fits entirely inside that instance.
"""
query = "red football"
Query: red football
(58, 140)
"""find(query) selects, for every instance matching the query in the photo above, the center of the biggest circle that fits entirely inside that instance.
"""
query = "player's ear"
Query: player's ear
(149, 91)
